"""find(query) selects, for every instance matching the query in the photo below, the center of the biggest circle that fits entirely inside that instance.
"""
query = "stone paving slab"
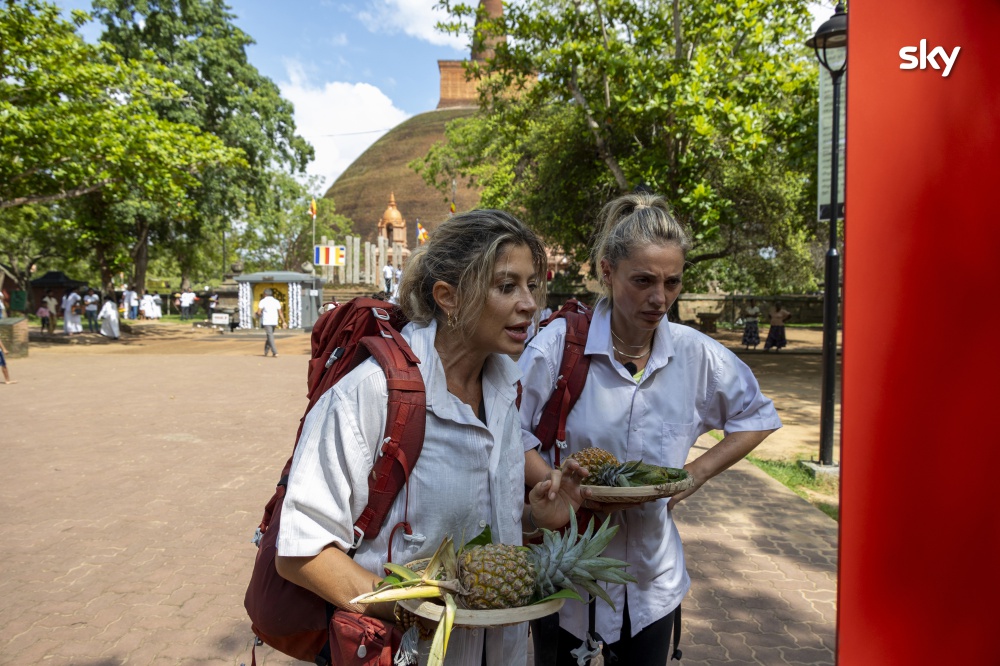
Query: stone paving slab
(134, 482)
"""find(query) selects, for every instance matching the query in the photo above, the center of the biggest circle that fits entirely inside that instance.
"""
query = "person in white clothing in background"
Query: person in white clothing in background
(146, 306)
(72, 309)
(388, 273)
(187, 301)
(108, 316)
(269, 311)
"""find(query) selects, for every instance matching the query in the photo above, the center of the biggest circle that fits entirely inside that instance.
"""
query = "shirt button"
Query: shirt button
(482, 523)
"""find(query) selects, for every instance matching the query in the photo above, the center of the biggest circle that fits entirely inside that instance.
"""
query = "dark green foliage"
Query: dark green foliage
(711, 104)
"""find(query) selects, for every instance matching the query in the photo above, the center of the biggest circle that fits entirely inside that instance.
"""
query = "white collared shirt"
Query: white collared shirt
(468, 475)
(691, 384)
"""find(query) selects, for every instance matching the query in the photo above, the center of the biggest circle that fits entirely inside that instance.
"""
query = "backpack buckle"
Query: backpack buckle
(334, 356)
(359, 536)
(380, 314)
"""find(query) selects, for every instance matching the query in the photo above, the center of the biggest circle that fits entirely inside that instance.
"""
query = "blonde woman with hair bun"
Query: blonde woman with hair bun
(652, 388)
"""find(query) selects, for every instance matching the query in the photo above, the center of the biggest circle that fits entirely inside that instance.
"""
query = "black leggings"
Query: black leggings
(650, 647)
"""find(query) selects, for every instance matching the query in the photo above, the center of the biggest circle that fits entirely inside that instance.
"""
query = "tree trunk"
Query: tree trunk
(107, 276)
(140, 254)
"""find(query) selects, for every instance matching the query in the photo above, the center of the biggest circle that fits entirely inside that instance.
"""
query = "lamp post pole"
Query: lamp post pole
(831, 36)
(831, 298)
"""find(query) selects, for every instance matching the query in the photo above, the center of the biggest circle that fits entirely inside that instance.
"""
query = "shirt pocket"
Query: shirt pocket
(675, 442)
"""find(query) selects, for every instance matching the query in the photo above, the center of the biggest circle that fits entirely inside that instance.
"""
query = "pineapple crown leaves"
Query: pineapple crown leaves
(621, 475)
(562, 561)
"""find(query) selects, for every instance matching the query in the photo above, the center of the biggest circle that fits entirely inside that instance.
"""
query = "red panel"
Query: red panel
(920, 533)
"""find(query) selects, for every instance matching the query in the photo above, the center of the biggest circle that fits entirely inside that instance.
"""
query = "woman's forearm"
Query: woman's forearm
(336, 577)
(731, 449)
(535, 468)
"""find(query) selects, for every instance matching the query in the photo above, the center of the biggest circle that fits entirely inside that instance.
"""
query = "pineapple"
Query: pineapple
(606, 470)
(594, 458)
(494, 576)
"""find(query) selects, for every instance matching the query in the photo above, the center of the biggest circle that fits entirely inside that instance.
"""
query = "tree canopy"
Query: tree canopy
(225, 96)
(75, 118)
(712, 104)
(152, 145)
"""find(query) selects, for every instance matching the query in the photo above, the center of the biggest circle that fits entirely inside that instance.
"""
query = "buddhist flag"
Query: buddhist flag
(322, 255)
(312, 208)
(452, 207)
(421, 234)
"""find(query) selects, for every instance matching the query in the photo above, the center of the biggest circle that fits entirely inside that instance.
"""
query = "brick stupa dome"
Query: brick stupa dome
(360, 191)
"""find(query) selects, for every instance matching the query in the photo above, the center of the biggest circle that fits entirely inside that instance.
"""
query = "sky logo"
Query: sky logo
(919, 58)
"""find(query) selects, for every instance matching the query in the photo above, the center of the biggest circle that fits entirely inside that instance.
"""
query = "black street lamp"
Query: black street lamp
(830, 45)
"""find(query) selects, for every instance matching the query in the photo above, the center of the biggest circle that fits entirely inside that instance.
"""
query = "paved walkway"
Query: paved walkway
(763, 564)
(134, 480)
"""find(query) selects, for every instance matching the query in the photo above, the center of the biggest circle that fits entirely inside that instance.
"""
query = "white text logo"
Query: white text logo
(913, 61)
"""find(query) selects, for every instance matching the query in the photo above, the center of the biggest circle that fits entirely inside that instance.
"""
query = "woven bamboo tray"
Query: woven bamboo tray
(483, 618)
(638, 494)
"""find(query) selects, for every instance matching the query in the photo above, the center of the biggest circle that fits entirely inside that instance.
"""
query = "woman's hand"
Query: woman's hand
(679, 497)
(731, 449)
(550, 499)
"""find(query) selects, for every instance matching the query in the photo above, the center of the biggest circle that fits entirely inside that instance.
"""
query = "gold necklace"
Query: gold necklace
(625, 344)
(642, 355)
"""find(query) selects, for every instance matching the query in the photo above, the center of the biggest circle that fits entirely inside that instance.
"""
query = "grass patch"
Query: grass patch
(798, 480)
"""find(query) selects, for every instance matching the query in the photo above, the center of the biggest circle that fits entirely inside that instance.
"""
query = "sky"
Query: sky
(352, 69)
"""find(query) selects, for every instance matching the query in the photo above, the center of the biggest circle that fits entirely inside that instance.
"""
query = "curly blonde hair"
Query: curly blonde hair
(463, 252)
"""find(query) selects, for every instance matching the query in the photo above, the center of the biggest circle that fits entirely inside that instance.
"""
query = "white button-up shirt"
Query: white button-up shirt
(691, 385)
(468, 475)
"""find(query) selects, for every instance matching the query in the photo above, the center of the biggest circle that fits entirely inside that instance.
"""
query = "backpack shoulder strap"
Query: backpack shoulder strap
(336, 350)
(572, 376)
(404, 429)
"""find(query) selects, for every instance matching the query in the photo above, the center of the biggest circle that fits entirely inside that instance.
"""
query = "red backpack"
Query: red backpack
(551, 428)
(290, 618)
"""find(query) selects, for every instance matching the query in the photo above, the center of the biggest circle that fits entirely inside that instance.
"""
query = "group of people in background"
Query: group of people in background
(147, 306)
(777, 316)
(101, 315)
(77, 305)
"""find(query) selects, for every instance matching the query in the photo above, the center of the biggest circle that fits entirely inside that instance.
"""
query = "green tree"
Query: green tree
(225, 96)
(283, 236)
(705, 102)
(30, 235)
(76, 119)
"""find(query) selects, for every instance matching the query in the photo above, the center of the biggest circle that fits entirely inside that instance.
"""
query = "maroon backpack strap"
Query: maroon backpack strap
(572, 376)
(404, 429)
(336, 350)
